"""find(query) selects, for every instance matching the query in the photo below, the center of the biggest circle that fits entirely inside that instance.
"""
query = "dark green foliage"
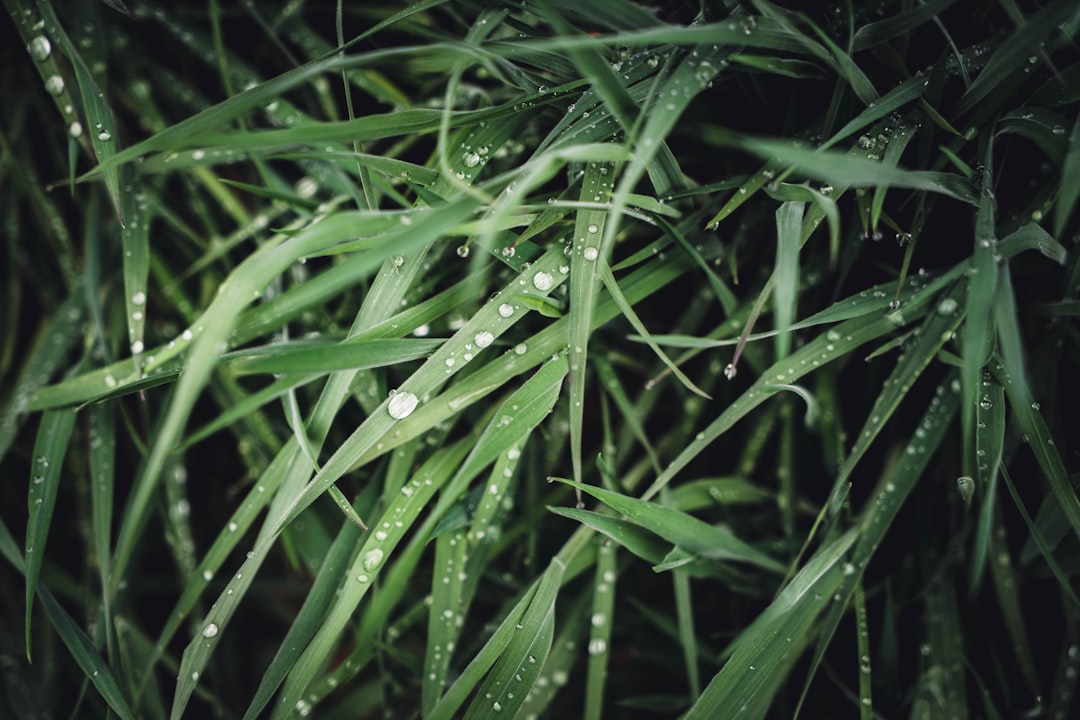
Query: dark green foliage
(305, 305)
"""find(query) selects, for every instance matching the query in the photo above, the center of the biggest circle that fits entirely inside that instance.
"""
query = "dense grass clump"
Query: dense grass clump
(517, 359)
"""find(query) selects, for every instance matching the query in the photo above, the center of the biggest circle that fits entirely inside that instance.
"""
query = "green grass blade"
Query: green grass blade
(786, 289)
(1070, 181)
(79, 645)
(1012, 54)
(601, 624)
(758, 661)
(50, 449)
(1025, 408)
(685, 531)
(589, 229)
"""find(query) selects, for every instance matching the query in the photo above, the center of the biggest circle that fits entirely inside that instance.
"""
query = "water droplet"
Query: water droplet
(210, 630)
(402, 405)
(75, 129)
(136, 347)
(472, 159)
(54, 84)
(543, 281)
(593, 229)
(730, 371)
(104, 136)
(505, 311)
(372, 559)
(591, 253)
(39, 48)
(509, 251)
(483, 338)
(138, 298)
(110, 381)
(521, 349)
(463, 251)
(986, 403)
(496, 706)
(597, 646)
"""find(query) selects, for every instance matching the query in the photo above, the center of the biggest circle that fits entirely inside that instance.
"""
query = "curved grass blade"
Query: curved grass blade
(685, 531)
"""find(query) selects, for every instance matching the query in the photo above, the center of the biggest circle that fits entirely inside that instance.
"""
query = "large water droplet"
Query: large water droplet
(506, 310)
(54, 84)
(591, 253)
(210, 630)
(402, 405)
(39, 48)
(472, 159)
(104, 136)
(372, 559)
(483, 338)
(463, 251)
(542, 281)
(947, 306)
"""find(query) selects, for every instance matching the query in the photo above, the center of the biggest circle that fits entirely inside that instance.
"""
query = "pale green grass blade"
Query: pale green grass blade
(601, 624)
(685, 531)
(307, 358)
(98, 115)
(586, 256)
(759, 661)
(897, 142)
(786, 288)
(50, 449)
